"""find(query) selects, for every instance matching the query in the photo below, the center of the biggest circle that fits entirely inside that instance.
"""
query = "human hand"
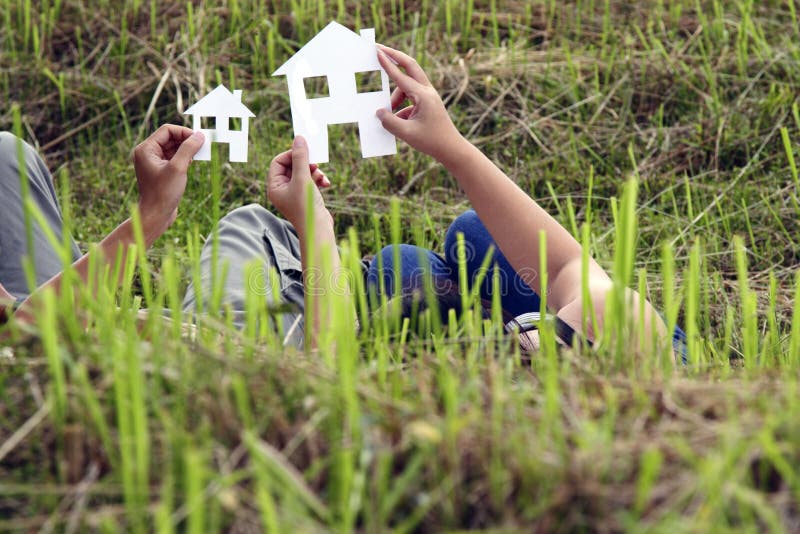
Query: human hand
(425, 124)
(161, 162)
(289, 176)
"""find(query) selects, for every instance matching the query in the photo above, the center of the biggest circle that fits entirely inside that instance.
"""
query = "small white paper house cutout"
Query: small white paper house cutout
(222, 105)
(338, 54)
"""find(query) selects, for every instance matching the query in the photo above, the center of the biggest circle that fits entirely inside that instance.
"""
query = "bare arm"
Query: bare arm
(502, 205)
(290, 179)
(320, 260)
(114, 247)
(514, 219)
(161, 163)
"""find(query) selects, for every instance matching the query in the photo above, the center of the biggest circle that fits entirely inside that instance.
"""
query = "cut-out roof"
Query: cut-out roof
(335, 46)
(220, 102)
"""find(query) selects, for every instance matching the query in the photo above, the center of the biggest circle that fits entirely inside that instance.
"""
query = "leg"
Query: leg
(416, 265)
(13, 238)
(247, 234)
(516, 296)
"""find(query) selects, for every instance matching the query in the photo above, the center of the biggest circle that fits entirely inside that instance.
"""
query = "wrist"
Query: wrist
(321, 221)
(453, 153)
(153, 225)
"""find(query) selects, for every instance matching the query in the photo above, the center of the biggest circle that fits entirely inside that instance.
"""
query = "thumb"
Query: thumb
(392, 123)
(300, 159)
(190, 146)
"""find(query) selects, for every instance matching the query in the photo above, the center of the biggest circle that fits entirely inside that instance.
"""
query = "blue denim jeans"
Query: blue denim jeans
(516, 297)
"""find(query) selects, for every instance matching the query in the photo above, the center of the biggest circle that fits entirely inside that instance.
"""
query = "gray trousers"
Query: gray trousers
(13, 237)
(251, 242)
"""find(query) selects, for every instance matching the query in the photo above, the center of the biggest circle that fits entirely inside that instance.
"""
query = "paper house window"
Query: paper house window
(316, 87)
(222, 118)
(368, 81)
(337, 54)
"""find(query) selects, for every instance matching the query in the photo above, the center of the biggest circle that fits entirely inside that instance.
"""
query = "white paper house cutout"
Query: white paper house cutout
(222, 105)
(338, 54)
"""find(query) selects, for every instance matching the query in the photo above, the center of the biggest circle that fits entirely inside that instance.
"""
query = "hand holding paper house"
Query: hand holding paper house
(338, 54)
(222, 105)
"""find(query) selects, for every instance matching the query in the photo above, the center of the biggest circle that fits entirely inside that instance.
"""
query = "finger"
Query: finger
(405, 113)
(398, 97)
(279, 166)
(165, 141)
(406, 83)
(320, 178)
(407, 62)
(187, 150)
(170, 148)
(300, 166)
(317, 175)
(393, 124)
(170, 132)
(284, 158)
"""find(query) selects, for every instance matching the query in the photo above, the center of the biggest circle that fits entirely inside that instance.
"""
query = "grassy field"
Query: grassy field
(139, 427)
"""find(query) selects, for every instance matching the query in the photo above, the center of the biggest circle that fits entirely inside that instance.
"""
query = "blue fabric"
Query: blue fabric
(516, 296)
(679, 344)
(415, 263)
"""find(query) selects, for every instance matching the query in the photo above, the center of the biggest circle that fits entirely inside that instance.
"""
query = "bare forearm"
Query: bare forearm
(515, 221)
(321, 268)
(637, 311)
(112, 249)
